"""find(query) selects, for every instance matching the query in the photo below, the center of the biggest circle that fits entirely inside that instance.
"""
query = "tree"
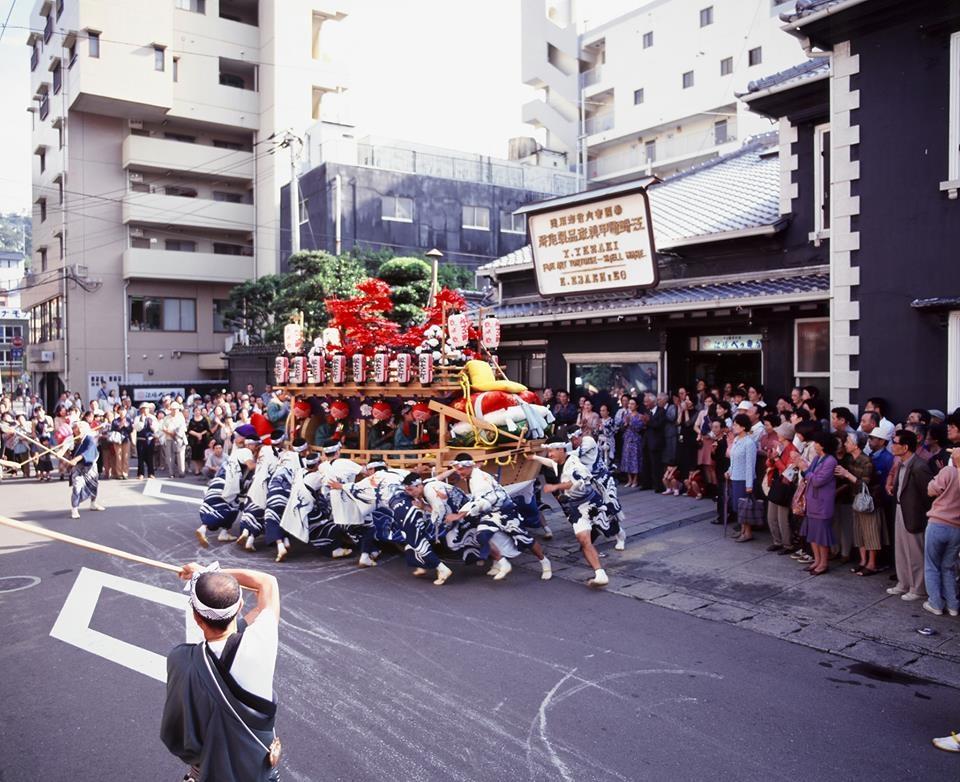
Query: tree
(456, 277)
(409, 279)
(252, 306)
(315, 276)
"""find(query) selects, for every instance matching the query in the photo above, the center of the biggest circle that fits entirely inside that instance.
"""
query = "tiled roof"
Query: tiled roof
(808, 7)
(805, 71)
(734, 192)
(814, 285)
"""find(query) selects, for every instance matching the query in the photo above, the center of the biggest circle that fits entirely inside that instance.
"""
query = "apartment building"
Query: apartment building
(156, 186)
(13, 322)
(652, 91)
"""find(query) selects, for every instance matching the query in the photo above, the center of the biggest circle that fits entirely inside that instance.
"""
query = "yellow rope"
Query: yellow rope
(479, 436)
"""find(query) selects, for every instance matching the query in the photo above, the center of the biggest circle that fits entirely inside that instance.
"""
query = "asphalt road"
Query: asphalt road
(386, 677)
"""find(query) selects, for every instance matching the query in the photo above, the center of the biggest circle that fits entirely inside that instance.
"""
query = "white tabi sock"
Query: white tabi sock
(599, 578)
(547, 569)
(504, 571)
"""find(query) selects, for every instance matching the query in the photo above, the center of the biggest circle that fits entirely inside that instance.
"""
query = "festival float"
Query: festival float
(413, 396)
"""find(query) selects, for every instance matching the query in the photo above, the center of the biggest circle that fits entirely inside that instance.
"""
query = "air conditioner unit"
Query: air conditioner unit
(46, 356)
(135, 124)
(136, 176)
(136, 233)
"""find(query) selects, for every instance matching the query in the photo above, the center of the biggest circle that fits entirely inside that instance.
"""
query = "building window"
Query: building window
(43, 259)
(220, 307)
(60, 188)
(45, 323)
(224, 248)
(821, 179)
(687, 79)
(176, 69)
(638, 96)
(304, 210)
(648, 39)
(180, 245)
(42, 203)
(953, 172)
(59, 8)
(706, 16)
(396, 208)
(511, 223)
(476, 217)
(196, 6)
(48, 28)
(35, 56)
(60, 136)
(726, 66)
(71, 54)
(155, 314)
(221, 144)
(811, 348)
(181, 191)
(42, 154)
(159, 58)
(720, 132)
(650, 151)
(60, 244)
(230, 198)
(44, 106)
(57, 79)
(93, 41)
(755, 56)
(180, 137)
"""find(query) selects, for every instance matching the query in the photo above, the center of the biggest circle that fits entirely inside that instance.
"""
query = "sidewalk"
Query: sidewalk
(677, 560)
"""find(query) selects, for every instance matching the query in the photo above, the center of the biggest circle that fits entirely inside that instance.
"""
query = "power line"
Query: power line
(7, 20)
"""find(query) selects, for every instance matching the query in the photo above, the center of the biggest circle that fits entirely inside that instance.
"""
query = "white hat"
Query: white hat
(745, 405)
(885, 431)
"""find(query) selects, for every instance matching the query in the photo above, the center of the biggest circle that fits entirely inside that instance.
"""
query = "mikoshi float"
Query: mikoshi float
(414, 396)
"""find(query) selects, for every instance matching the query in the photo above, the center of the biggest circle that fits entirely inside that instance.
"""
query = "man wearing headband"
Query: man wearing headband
(459, 537)
(84, 481)
(588, 452)
(220, 707)
(411, 519)
(495, 512)
(224, 494)
(339, 472)
(373, 493)
(255, 506)
(288, 471)
(582, 504)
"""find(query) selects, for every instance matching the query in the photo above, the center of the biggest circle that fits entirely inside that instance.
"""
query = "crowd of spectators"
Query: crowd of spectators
(833, 488)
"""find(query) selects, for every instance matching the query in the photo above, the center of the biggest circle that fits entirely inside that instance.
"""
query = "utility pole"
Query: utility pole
(290, 141)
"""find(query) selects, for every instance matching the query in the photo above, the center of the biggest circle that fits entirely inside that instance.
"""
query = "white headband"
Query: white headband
(300, 448)
(208, 612)
(331, 449)
(558, 445)
(375, 464)
(463, 463)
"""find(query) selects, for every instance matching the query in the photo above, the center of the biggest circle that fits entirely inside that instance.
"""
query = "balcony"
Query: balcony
(161, 154)
(162, 209)
(194, 267)
(598, 123)
(592, 76)
(674, 153)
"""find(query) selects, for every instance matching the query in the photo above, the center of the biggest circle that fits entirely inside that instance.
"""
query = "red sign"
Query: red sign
(17, 342)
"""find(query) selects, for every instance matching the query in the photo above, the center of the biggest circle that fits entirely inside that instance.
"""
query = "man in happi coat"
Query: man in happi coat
(495, 512)
(588, 452)
(372, 491)
(255, 506)
(409, 510)
(288, 470)
(582, 503)
(220, 706)
(224, 494)
(307, 515)
(84, 480)
(460, 536)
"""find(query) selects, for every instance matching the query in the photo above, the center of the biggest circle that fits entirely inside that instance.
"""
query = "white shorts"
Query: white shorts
(584, 523)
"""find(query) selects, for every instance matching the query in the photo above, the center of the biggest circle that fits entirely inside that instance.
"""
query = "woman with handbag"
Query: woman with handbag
(819, 498)
(780, 489)
(867, 526)
(743, 467)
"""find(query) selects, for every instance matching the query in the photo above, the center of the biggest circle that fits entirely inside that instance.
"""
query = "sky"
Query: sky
(432, 71)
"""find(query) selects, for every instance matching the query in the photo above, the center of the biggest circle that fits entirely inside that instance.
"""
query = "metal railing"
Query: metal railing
(663, 150)
(591, 76)
(598, 123)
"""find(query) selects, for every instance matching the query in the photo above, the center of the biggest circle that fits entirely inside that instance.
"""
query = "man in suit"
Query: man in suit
(912, 504)
(654, 441)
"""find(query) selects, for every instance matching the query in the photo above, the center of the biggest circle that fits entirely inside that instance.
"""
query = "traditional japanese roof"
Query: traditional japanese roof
(720, 199)
(937, 303)
(810, 70)
(803, 285)
(806, 8)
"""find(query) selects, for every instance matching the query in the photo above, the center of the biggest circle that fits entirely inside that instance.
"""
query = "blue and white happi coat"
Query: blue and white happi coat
(373, 494)
(493, 510)
(414, 525)
(459, 537)
(592, 459)
(583, 501)
(279, 490)
(251, 516)
(221, 500)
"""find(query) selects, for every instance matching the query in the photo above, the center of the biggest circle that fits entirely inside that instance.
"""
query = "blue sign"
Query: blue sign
(16, 354)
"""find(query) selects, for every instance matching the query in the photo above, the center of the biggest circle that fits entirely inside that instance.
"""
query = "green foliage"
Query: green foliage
(454, 276)
(15, 233)
(410, 280)
(252, 306)
(371, 259)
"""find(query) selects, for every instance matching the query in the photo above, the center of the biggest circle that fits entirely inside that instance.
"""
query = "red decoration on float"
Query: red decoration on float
(421, 412)
(382, 411)
(530, 397)
(339, 410)
(301, 409)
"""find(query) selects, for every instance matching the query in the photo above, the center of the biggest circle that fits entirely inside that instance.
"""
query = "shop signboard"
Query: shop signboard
(593, 242)
(728, 343)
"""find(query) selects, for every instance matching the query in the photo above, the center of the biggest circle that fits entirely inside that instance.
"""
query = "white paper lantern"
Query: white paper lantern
(490, 333)
(293, 338)
(458, 327)
(331, 337)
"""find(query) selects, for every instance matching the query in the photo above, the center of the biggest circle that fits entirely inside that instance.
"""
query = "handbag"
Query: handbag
(798, 505)
(750, 511)
(115, 437)
(863, 502)
(781, 491)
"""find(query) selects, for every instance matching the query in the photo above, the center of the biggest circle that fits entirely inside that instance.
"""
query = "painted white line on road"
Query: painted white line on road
(73, 623)
(154, 488)
(34, 580)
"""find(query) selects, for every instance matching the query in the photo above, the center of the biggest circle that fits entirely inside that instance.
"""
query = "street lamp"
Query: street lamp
(434, 255)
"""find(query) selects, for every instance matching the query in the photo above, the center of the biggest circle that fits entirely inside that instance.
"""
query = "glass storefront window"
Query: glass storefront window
(812, 347)
(592, 373)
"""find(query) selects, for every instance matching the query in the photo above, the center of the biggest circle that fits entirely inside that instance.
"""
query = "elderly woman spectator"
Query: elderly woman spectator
(858, 472)
(942, 541)
(779, 479)
(843, 506)
(743, 468)
(631, 460)
(820, 499)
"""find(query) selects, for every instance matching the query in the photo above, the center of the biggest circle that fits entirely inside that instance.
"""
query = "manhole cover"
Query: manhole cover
(16, 583)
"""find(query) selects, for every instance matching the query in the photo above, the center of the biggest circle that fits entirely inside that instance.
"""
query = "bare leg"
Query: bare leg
(589, 552)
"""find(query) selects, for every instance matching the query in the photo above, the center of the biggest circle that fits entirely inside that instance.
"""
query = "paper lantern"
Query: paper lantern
(331, 337)
(458, 329)
(298, 370)
(490, 333)
(293, 338)
(338, 369)
(404, 367)
(359, 368)
(381, 367)
(318, 368)
(425, 368)
(281, 371)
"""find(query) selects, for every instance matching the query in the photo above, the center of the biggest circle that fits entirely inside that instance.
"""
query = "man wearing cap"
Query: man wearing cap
(495, 512)
(288, 471)
(410, 516)
(174, 428)
(224, 495)
(220, 707)
(582, 504)
(588, 452)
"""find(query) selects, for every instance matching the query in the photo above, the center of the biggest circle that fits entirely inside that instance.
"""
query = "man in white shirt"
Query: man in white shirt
(174, 428)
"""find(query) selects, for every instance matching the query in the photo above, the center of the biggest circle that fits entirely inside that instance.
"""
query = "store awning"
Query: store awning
(937, 304)
(784, 289)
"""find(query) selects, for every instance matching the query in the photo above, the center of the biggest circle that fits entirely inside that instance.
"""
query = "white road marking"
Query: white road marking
(73, 623)
(542, 727)
(154, 488)
(34, 580)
